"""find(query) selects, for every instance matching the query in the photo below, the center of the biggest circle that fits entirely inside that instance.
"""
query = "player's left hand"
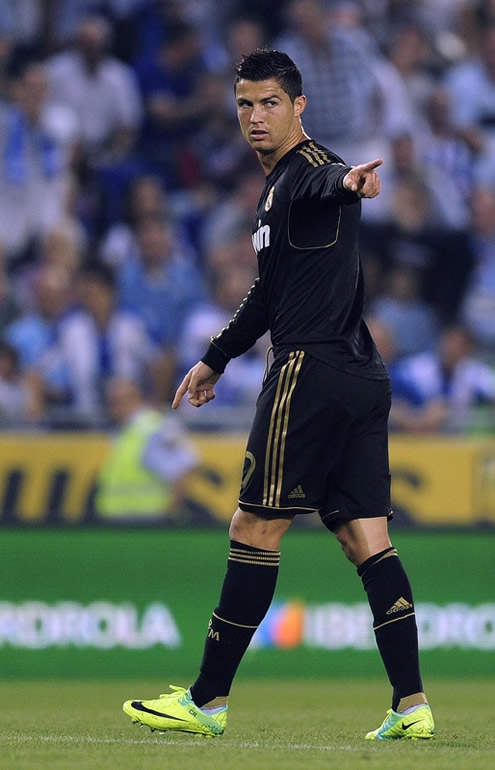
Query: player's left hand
(363, 179)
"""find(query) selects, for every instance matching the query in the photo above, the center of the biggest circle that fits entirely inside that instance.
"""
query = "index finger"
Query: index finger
(181, 391)
(372, 164)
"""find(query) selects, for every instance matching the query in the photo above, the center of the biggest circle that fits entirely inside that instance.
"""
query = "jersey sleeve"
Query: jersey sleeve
(248, 324)
(325, 181)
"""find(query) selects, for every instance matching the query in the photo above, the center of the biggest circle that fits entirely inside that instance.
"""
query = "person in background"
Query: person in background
(158, 283)
(35, 333)
(176, 102)
(35, 164)
(146, 199)
(102, 339)
(442, 390)
(20, 392)
(477, 310)
(414, 322)
(143, 477)
(101, 90)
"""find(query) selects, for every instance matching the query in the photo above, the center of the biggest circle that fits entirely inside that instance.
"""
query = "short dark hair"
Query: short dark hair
(263, 64)
(100, 273)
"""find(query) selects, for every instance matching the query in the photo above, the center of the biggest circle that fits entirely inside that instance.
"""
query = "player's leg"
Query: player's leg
(366, 543)
(281, 478)
(358, 507)
(246, 595)
(247, 592)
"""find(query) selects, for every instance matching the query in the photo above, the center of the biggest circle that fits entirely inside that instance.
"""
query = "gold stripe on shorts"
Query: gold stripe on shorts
(277, 433)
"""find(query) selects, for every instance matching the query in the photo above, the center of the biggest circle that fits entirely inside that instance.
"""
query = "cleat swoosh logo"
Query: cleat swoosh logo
(406, 727)
(136, 704)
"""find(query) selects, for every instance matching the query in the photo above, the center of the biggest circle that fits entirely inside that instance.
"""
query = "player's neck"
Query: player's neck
(270, 160)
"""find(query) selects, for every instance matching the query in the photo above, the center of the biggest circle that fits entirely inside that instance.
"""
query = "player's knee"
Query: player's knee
(349, 548)
(258, 532)
(361, 538)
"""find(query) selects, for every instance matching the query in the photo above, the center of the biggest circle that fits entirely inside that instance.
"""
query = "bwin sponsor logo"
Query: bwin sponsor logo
(261, 238)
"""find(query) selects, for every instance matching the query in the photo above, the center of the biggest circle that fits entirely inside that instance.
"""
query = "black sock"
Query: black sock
(246, 595)
(394, 623)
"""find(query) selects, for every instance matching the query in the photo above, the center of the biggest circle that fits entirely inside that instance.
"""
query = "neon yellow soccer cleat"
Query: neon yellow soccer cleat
(176, 711)
(417, 724)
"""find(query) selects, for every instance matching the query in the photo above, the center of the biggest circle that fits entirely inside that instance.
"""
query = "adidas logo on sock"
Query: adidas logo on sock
(400, 604)
(297, 492)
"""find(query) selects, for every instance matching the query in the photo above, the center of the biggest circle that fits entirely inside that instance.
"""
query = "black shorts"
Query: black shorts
(318, 443)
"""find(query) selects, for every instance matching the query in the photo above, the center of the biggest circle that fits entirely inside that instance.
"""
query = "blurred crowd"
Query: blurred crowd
(127, 194)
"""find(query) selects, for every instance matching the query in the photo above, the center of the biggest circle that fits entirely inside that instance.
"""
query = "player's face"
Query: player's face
(269, 120)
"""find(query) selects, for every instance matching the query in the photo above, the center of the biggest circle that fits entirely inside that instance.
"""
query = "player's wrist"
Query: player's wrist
(215, 358)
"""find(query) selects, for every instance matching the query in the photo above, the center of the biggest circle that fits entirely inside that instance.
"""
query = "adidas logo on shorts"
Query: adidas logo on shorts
(296, 493)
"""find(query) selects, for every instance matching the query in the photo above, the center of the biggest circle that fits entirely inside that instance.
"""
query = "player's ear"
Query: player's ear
(299, 105)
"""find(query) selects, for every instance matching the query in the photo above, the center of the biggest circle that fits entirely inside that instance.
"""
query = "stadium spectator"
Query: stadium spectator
(59, 247)
(34, 177)
(471, 84)
(414, 323)
(142, 479)
(441, 389)
(34, 335)
(100, 89)
(218, 155)
(146, 199)
(101, 339)
(19, 391)
(242, 33)
(6, 59)
(478, 307)
(410, 53)
(178, 96)
(446, 160)
(158, 283)
(233, 214)
(414, 237)
(9, 306)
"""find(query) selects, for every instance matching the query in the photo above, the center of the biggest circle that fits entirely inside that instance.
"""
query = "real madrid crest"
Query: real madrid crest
(269, 200)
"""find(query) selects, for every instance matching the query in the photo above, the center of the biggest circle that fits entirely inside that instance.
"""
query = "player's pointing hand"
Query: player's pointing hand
(198, 383)
(363, 179)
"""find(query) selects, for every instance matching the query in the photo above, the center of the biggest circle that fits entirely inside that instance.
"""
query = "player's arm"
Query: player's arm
(336, 180)
(249, 323)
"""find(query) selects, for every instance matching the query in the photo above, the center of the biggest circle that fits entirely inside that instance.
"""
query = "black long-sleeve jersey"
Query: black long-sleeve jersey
(310, 290)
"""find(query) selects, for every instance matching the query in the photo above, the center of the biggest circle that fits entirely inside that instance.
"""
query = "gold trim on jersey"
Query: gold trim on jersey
(277, 433)
(315, 155)
(308, 158)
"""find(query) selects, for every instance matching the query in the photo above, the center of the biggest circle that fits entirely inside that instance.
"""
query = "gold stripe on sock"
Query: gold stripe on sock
(402, 617)
(231, 623)
(264, 554)
(385, 556)
(257, 563)
(260, 558)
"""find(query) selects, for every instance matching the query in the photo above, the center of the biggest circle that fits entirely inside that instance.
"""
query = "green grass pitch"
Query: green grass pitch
(275, 725)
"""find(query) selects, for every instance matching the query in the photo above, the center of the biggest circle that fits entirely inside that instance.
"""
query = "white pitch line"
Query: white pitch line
(179, 744)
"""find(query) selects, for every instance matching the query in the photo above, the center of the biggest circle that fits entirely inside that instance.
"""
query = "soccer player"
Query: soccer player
(318, 442)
